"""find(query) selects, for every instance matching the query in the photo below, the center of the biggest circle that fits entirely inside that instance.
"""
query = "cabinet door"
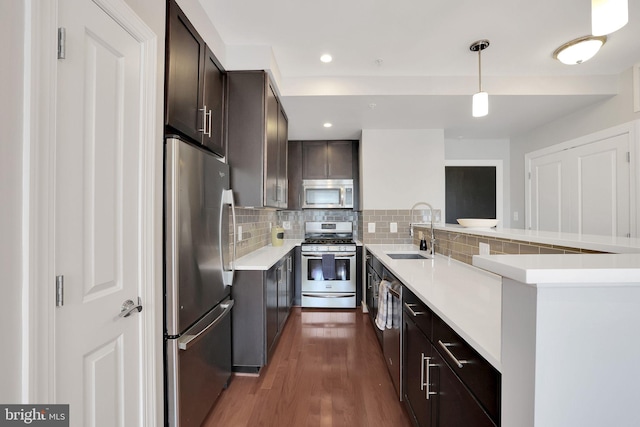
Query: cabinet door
(291, 280)
(340, 160)
(271, 279)
(271, 152)
(294, 173)
(283, 305)
(283, 134)
(417, 358)
(213, 101)
(456, 405)
(314, 160)
(184, 74)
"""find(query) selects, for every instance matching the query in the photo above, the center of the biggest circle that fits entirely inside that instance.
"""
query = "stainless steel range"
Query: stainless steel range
(329, 265)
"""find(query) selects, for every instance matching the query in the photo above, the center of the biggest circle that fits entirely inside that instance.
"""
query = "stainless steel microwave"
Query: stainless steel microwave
(327, 193)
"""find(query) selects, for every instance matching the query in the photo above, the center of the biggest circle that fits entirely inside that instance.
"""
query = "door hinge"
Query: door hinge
(529, 175)
(59, 291)
(62, 42)
(628, 157)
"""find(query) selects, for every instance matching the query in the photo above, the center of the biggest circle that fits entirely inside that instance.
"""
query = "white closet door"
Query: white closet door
(601, 171)
(547, 193)
(583, 189)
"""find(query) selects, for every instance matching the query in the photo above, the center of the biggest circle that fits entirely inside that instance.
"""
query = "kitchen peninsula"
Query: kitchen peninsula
(560, 328)
(569, 338)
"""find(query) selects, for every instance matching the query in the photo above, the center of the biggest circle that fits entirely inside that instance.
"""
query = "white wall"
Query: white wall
(484, 149)
(11, 194)
(402, 167)
(606, 114)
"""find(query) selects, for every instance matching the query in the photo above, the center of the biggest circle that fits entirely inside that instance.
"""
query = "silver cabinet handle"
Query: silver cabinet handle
(422, 382)
(424, 373)
(410, 308)
(128, 307)
(444, 346)
(188, 340)
(206, 120)
(370, 279)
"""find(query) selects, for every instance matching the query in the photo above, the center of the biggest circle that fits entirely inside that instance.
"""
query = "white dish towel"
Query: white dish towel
(384, 318)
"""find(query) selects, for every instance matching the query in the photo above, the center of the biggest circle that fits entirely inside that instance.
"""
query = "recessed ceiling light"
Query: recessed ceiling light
(326, 58)
(327, 125)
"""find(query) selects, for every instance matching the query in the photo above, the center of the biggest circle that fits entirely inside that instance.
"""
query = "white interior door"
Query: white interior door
(601, 170)
(98, 218)
(583, 189)
(546, 193)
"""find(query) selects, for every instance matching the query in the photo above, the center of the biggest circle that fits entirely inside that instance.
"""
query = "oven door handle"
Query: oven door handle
(319, 256)
(343, 295)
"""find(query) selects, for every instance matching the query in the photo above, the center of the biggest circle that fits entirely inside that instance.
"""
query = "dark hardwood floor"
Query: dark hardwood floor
(327, 370)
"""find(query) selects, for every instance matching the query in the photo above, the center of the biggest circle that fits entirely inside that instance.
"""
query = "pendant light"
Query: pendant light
(481, 99)
(608, 16)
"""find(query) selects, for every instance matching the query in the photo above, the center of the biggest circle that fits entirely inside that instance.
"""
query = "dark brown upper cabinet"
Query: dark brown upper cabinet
(194, 85)
(257, 135)
(327, 160)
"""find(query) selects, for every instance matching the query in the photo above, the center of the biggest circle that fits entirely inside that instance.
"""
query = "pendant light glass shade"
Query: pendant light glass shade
(480, 106)
(608, 16)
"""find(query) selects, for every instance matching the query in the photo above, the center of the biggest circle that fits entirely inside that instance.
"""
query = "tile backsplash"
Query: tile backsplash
(296, 220)
(256, 224)
(256, 231)
(462, 246)
(383, 220)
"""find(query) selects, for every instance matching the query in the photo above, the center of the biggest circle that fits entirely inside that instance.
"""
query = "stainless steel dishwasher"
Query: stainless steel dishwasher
(392, 337)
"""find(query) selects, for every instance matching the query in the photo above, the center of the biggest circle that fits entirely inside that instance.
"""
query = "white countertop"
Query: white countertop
(466, 298)
(573, 240)
(564, 270)
(266, 257)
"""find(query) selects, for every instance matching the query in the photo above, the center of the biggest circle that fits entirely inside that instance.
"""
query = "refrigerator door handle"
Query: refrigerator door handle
(227, 275)
(187, 341)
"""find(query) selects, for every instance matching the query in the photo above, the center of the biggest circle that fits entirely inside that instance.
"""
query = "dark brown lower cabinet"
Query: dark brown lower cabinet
(456, 405)
(417, 354)
(434, 393)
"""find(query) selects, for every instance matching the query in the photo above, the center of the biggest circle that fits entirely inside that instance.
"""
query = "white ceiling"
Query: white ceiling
(427, 74)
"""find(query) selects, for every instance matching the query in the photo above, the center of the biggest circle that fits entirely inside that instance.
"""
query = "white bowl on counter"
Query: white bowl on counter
(477, 222)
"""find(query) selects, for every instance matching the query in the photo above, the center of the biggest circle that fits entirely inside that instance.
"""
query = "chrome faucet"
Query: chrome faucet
(432, 248)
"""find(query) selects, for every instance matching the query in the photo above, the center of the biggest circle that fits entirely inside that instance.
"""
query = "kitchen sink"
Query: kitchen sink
(408, 255)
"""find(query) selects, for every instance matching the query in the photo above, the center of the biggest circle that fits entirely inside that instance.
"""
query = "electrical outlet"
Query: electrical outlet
(485, 249)
(393, 227)
(239, 233)
(286, 225)
(371, 227)
(515, 215)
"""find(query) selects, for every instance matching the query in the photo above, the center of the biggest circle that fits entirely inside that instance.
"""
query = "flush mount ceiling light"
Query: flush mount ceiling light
(579, 50)
(481, 99)
(608, 16)
(326, 58)
(327, 125)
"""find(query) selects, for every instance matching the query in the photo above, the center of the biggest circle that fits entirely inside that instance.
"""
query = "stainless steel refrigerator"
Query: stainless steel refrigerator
(198, 279)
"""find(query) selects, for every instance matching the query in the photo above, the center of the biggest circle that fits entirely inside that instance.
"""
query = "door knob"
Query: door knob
(129, 307)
